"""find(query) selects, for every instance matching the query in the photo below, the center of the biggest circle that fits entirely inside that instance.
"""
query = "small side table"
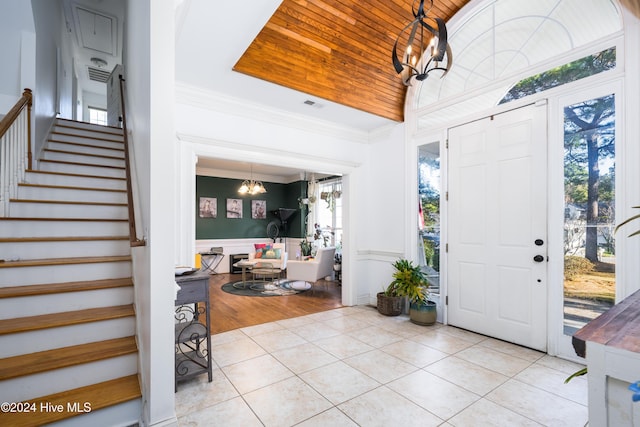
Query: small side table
(210, 260)
(193, 327)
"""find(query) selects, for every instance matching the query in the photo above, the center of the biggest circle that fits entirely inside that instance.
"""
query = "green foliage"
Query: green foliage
(576, 265)
(579, 373)
(305, 247)
(576, 70)
(409, 280)
(429, 251)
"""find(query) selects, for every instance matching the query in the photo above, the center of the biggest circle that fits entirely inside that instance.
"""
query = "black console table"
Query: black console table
(193, 327)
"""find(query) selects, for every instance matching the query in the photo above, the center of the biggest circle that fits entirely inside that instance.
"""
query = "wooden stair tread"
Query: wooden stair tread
(58, 288)
(33, 218)
(66, 202)
(80, 144)
(70, 187)
(60, 239)
(95, 165)
(75, 153)
(99, 396)
(62, 261)
(78, 175)
(55, 320)
(97, 138)
(42, 361)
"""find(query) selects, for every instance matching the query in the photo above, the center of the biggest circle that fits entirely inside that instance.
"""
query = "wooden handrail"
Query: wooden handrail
(133, 238)
(14, 113)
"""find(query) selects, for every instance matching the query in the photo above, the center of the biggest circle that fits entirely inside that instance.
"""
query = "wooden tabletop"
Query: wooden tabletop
(619, 327)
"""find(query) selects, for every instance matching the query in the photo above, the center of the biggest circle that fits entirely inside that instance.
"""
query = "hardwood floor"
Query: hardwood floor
(230, 312)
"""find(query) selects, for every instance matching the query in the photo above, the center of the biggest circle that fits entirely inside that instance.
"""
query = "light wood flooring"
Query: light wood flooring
(230, 312)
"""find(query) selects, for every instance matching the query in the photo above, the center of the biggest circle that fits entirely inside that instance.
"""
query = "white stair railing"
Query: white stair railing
(15, 149)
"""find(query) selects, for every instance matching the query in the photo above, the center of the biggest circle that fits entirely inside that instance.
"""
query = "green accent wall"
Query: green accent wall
(221, 227)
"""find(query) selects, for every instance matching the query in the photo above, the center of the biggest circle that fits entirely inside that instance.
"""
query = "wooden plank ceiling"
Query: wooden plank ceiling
(339, 50)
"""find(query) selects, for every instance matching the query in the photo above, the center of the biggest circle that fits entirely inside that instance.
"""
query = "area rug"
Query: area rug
(266, 289)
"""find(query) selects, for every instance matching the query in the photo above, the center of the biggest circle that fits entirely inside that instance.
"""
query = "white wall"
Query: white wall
(48, 22)
(627, 266)
(381, 236)
(211, 125)
(66, 78)
(149, 68)
(17, 32)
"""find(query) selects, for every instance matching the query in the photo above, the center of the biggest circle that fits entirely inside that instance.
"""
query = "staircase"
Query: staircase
(67, 320)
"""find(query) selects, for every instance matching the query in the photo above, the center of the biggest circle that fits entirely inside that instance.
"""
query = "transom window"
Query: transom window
(573, 71)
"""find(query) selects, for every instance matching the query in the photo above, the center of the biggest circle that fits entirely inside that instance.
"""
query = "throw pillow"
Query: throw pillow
(271, 254)
(260, 249)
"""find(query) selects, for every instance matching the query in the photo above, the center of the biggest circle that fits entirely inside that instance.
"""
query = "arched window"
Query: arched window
(500, 40)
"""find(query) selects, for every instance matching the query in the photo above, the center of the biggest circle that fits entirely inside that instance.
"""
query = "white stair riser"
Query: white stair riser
(18, 276)
(44, 383)
(88, 132)
(56, 210)
(75, 181)
(82, 169)
(67, 336)
(102, 143)
(17, 228)
(126, 414)
(37, 250)
(65, 124)
(83, 158)
(87, 149)
(68, 301)
(71, 194)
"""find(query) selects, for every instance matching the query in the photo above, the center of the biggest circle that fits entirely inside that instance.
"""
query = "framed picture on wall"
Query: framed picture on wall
(234, 208)
(208, 207)
(259, 209)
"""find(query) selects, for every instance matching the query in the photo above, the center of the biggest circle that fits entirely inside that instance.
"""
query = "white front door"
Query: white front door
(497, 228)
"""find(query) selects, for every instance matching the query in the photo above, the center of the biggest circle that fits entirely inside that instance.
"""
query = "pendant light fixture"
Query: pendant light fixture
(249, 186)
(424, 45)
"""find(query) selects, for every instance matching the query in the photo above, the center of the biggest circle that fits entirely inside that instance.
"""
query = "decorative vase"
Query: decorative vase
(389, 306)
(423, 313)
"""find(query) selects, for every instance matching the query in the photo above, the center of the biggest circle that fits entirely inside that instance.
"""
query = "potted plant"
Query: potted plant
(305, 247)
(389, 303)
(410, 281)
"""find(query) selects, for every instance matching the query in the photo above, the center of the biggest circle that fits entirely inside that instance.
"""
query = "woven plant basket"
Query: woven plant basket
(389, 306)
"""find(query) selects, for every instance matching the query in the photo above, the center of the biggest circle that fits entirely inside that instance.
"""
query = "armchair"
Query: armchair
(312, 270)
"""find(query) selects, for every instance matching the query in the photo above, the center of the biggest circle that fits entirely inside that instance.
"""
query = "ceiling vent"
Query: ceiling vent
(98, 75)
(313, 104)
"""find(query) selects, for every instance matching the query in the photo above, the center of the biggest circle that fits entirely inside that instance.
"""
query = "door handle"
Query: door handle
(538, 258)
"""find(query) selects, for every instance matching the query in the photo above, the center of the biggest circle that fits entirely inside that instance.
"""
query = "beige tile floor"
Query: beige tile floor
(354, 367)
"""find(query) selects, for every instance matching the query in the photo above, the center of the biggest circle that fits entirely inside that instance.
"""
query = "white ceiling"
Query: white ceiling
(258, 171)
(95, 30)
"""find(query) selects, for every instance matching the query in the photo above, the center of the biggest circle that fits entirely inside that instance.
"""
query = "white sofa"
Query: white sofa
(276, 263)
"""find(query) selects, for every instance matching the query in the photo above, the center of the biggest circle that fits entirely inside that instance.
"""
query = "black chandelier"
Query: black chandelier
(426, 46)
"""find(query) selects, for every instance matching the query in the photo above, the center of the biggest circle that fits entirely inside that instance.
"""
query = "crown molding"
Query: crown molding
(238, 151)
(215, 101)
